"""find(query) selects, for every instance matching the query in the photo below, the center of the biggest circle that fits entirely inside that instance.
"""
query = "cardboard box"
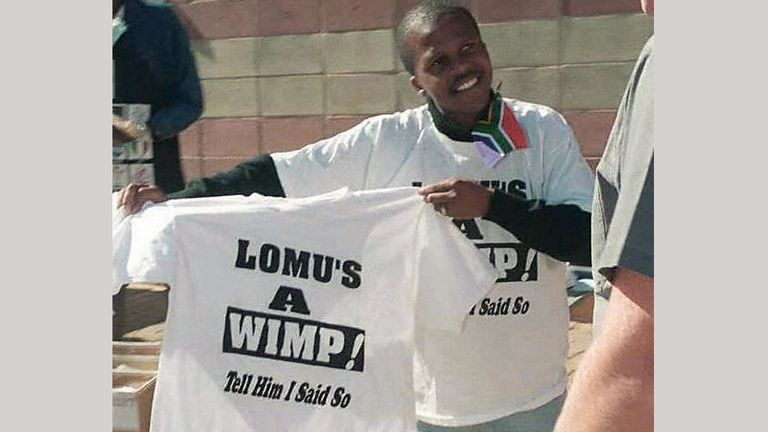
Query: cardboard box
(138, 306)
(134, 363)
(136, 348)
(132, 394)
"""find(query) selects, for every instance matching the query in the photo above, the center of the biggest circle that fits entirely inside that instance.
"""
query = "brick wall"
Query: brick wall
(279, 74)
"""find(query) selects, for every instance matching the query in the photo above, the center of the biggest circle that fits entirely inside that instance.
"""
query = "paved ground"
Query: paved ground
(579, 337)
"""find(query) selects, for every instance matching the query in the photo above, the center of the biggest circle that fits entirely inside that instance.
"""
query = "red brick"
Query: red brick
(186, 21)
(491, 11)
(337, 124)
(191, 168)
(190, 140)
(290, 133)
(404, 6)
(600, 7)
(284, 17)
(219, 19)
(213, 166)
(591, 129)
(231, 137)
(346, 15)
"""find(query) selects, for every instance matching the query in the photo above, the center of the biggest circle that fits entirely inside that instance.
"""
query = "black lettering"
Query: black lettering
(517, 188)
(321, 396)
(231, 377)
(504, 310)
(247, 384)
(302, 393)
(289, 296)
(285, 338)
(290, 391)
(263, 386)
(243, 259)
(296, 266)
(469, 228)
(517, 261)
(322, 270)
(341, 398)
(351, 269)
(521, 306)
(517, 306)
(484, 306)
(492, 308)
(269, 258)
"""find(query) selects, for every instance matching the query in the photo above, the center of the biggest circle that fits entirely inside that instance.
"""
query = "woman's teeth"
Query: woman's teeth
(467, 84)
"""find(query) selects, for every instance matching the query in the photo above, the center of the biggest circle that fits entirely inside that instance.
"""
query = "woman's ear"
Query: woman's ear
(416, 86)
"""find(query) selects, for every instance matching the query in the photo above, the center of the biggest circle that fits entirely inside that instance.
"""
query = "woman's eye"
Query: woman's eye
(437, 63)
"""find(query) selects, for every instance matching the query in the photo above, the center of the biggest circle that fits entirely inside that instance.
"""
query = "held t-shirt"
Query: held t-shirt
(299, 314)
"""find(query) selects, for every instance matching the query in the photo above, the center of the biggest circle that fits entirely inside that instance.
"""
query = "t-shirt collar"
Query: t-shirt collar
(450, 128)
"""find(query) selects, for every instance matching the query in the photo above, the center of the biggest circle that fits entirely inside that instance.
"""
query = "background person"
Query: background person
(613, 387)
(153, 65)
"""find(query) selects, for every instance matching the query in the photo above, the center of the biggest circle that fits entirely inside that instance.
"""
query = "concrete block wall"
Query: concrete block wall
(280, 74)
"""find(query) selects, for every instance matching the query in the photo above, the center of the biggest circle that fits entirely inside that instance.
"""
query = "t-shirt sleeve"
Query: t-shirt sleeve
(144, 249)
(629, 240)
(452, 275)
(361, 158)
(568, 178)
(326, 165)
(629, 236)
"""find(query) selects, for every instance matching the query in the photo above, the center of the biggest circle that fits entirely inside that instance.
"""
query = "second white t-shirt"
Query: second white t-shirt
(511, 355)
(298, 314)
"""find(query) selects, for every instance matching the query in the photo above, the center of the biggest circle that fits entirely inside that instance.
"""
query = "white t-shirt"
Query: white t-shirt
(298, 314)
(512, 353)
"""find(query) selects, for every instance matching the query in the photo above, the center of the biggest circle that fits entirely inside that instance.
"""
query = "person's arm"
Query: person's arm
(613, 387)
(560, 231)
(558, 221)
(185, 101)
(257, 175)
(329, 164)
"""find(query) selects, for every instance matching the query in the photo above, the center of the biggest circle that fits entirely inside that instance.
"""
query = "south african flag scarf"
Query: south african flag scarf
(498, 133)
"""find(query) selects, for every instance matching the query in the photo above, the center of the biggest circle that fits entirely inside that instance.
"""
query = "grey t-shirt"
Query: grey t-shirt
(622, 211)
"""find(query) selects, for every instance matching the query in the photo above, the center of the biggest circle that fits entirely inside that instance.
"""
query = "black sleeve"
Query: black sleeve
(257, 175)
(182, 100)
(560, 231)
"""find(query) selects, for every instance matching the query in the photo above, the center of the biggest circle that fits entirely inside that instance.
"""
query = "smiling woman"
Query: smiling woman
(451, 66)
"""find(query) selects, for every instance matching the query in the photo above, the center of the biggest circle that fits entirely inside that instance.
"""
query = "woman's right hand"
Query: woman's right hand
(133, 197)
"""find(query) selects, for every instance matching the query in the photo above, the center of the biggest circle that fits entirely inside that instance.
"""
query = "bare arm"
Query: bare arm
(613, 387)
